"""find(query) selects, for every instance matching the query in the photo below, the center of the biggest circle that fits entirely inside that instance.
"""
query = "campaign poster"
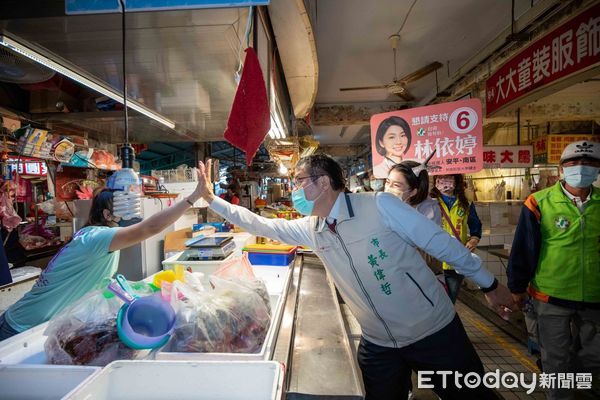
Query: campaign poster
(453, 130)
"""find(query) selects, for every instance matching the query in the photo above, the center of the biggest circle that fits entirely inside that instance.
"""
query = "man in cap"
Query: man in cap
(555, 261)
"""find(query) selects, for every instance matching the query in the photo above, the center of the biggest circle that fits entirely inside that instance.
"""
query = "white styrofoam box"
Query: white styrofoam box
(25, 348)
(277, 280)
(185, 189)
(149, 380)
(42, 382)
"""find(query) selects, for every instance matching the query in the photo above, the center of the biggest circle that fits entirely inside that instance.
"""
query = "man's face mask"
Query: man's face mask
(301, 203)
(580, 176)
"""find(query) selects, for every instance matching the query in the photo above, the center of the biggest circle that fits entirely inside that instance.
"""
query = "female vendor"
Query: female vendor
(86, 262)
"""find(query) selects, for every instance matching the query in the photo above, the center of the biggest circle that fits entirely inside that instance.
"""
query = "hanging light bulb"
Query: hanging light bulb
(283, 169)
(125, 183)
(127, 186)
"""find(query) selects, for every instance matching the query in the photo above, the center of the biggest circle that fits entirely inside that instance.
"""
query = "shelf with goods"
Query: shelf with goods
(42, 173)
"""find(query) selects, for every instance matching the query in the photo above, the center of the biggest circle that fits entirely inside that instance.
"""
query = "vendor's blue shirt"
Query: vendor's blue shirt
(473, 220)
(79, 267)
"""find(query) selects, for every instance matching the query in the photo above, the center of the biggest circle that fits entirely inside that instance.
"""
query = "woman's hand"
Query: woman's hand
(472, 243)
(204, 188)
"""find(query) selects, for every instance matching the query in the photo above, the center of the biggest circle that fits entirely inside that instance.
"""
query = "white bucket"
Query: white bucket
(158, 380)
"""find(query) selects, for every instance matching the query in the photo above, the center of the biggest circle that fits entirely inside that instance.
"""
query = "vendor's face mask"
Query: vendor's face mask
(580, 176)
(301, 203)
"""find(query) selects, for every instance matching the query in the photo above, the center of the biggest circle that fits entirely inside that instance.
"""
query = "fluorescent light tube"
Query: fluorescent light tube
(78, 77)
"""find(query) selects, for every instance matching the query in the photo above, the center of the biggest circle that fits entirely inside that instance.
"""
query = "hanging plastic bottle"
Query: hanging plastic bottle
(127, 186)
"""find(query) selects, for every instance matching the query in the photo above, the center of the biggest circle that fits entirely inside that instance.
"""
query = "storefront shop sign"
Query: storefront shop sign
(112, 6)
(453, 130)
(572, 48)
(28, 166)
(548, 149)
(507, 156)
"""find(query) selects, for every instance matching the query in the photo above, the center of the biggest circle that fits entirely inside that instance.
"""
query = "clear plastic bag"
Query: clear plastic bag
(239, 268)
(232, 318)
(85, 333)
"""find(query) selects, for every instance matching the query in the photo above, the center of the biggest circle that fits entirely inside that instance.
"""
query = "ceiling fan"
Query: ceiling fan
(398, 86)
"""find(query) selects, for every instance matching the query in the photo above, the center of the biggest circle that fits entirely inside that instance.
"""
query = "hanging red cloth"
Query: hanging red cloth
(249, 120)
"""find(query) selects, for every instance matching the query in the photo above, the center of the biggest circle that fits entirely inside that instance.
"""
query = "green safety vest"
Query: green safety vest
(459, 216)
(569, 261)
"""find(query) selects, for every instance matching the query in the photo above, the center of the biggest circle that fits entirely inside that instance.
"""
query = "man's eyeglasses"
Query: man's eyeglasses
(299, 180)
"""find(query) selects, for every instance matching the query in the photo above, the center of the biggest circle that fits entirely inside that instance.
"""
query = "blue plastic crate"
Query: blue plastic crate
(282, 260)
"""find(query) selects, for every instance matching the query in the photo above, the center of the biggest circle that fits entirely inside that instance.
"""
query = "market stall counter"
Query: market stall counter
(290, 289)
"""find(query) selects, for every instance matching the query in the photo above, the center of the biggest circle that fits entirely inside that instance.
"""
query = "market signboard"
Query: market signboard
(571, 48)
(548, 149)
(453, 130)
(73, 7)
(28, 166)
(508, 156)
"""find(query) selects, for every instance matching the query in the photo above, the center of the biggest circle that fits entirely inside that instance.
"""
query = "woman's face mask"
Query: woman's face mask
(403, 195)
(445, 186)
(376, 184)
(580, 176)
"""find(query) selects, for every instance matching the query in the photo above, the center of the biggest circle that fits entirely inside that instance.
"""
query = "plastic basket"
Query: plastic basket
(272, 259)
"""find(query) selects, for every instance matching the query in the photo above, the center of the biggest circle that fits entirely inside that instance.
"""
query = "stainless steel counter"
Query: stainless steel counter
(312, 341)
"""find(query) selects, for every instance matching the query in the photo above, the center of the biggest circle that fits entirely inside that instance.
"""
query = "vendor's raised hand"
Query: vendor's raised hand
(501, 301)
(204, 188)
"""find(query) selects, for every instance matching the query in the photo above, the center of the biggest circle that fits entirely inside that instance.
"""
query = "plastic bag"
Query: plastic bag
(232, 318)
(63, 210)
(239, 267)
(85, 333)
(47, 206)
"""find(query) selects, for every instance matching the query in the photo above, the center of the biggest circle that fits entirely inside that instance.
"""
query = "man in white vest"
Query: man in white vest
(368, 243)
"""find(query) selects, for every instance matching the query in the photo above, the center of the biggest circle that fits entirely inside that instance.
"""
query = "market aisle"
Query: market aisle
(496, 349)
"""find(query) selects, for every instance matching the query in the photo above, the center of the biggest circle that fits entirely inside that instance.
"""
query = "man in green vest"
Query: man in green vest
(554, 266)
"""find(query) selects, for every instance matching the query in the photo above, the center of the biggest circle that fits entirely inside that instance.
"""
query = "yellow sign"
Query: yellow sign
(547, 149)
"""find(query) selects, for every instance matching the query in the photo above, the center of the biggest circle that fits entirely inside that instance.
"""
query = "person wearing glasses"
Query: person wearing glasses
(368, 244)
(554, 267)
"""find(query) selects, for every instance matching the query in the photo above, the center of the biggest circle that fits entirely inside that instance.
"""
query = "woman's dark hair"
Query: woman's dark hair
(103, 200)
(459, 189)
(420, 182)
(321, 164)
(383, 127)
